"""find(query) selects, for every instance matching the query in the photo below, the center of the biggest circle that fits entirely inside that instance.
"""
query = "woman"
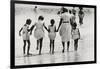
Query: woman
(65, 28)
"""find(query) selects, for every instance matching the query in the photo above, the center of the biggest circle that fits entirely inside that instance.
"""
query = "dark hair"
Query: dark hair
(28, 21)
(52, 21)
(74, 25)
(73, 6)
(41, 18)
(70, 11)
(64, 10)
(58, 12)
(81, 8)
(74, 13)
(35, 6)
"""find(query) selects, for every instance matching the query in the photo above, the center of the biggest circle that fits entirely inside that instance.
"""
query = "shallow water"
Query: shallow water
(86, 43)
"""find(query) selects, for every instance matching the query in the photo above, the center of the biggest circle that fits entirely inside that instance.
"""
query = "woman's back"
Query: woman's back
(65, 17)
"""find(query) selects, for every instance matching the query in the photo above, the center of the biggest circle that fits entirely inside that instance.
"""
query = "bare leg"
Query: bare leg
(53, 47)
(63, 43)
(68, 43)
(28, 41)
(40, 46)
(50, 45)
(37, 45)
(24, 46)
(80, 21)
(75, 44)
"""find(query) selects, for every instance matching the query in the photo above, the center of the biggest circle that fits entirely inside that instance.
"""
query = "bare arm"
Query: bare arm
(31, 29)
(79, 33)
(20, 31)
(60, 24)
(70, 21)
(45, 27)
(55, 29)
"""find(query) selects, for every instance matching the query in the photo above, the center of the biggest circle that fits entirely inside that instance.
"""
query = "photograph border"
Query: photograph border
(12, 33)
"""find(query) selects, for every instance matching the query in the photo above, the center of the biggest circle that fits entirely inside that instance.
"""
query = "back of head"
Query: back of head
(81, 8)
(74, 13)
(35, 6)
(41, 18)
(28, 21)
(70, 11)
(64, 10)
(74, 25)
(52, 21)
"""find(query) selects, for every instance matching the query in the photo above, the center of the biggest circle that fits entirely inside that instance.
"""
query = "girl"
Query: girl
(75, 35)
(81, 15)
(39, 32)
(65, 30)
(52, 35)
(26, 36)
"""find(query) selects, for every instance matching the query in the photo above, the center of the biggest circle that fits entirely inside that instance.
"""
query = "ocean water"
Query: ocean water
(86, 43)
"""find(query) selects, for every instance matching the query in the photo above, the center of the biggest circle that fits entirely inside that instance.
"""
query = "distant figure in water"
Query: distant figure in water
(35, 9)
(26, 35)
(35, 13)
(81, 15)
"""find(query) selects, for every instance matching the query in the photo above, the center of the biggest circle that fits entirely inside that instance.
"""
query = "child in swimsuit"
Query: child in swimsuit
(26, 36)
(75, 35)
